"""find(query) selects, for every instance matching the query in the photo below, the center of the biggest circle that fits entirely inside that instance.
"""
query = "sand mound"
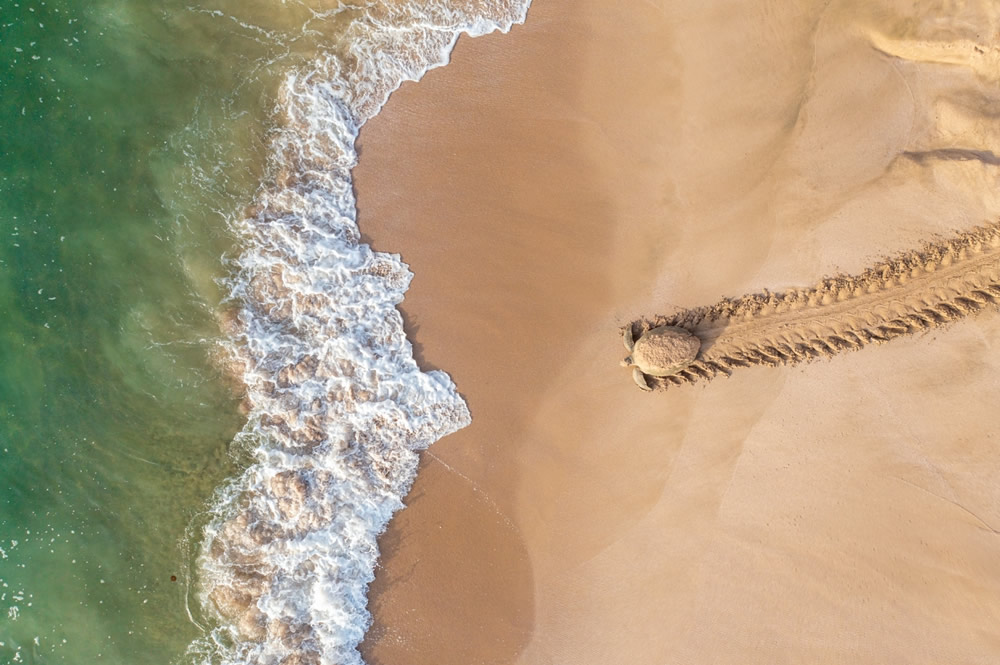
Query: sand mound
(906, 294)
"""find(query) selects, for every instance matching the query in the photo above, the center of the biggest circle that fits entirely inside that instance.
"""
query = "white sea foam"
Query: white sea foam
(339, 406)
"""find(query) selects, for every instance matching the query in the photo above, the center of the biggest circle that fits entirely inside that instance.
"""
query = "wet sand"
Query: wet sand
(604, 163)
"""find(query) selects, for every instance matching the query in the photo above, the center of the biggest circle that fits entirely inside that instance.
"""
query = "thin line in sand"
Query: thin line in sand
(903, 295)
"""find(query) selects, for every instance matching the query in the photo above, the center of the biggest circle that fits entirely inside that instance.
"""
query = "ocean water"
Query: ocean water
(208, 408)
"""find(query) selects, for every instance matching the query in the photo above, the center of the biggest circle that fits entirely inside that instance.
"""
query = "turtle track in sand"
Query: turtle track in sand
(902, 295)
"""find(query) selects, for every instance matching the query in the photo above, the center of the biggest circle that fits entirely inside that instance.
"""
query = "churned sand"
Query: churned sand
(610, 162)
(910, 293)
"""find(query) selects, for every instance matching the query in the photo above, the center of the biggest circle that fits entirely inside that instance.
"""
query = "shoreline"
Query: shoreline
(546, 188)
(338, 408)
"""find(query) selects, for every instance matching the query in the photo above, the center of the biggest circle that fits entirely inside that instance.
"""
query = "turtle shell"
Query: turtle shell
(665, 350)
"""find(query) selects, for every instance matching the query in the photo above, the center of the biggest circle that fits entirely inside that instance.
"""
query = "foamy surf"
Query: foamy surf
(339, 407)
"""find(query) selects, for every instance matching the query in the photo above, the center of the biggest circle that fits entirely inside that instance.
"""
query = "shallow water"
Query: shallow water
(119, 160)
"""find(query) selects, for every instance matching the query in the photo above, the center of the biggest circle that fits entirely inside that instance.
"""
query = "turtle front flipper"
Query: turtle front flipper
(640, 380)
(627, 338)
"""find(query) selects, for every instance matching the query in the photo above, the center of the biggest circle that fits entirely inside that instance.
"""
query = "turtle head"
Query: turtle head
(627, 362)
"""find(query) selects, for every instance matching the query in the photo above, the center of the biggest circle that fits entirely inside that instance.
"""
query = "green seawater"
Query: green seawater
(129, 132)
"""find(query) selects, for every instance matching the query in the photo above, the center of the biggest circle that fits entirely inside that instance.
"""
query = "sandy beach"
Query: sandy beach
(611, 161)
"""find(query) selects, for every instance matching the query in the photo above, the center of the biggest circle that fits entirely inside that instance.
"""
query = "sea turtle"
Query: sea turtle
(661, 351)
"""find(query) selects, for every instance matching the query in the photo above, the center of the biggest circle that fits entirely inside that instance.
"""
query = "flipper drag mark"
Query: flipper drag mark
(906, 294)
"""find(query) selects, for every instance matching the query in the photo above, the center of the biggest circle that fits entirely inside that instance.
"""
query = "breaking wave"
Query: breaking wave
(338, 406)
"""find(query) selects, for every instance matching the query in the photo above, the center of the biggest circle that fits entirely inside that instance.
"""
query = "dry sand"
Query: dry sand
(612, 161)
